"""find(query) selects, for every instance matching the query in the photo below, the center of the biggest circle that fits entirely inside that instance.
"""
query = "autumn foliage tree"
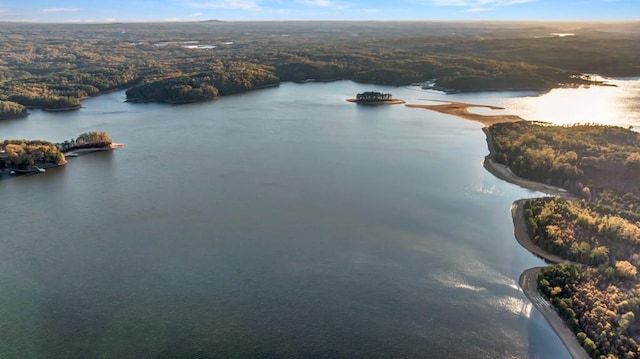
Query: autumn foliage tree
(23, 154)
(9, 109)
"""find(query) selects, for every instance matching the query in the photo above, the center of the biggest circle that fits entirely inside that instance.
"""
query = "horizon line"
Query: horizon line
(184, 21)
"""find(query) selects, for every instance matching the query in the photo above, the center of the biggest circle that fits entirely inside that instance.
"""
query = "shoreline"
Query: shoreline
(522, 237)
(80, 151)
(62, 109)
(6, 173)
(15, 117)
(504, 173)
(529, 285)
(527, 280)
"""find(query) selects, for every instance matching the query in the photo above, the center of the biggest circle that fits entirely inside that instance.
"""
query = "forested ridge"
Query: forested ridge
(599, 300)
(53, 66)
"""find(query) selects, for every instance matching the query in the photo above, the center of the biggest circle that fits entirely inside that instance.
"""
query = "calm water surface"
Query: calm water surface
(284, 222)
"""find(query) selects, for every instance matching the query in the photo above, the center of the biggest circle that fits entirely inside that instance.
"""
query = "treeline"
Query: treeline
(64, 90)
(601, 306)
(47, 102)
(9, 109)
(53, 66)
(23, 154)
(86, 140)
(373, 96)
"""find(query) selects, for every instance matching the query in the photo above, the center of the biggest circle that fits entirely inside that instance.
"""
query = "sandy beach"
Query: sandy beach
(527, 279)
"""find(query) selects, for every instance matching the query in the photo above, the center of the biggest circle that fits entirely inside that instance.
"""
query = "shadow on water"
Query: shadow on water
(12, 121)
(365, 107)
(53, 171)
(543, 342)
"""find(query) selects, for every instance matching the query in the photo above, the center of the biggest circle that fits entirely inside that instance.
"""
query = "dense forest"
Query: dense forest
(600, 164)
(204, 86)
(53, 66)
(596, 162)
(577, 231)
(600, 305)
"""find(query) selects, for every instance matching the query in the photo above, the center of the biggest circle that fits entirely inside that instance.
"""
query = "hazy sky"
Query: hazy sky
(197, 10)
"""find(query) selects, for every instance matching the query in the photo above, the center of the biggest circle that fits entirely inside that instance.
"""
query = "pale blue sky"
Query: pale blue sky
(197, 10)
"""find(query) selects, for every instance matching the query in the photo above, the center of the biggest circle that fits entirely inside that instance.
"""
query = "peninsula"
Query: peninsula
(10, 110)
(590, 228)
(18, 157)
(375, 98)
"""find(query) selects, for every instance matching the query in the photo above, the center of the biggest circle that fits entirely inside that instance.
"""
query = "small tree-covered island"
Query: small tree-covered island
(34, 156)
(595, 226)
(375, 98)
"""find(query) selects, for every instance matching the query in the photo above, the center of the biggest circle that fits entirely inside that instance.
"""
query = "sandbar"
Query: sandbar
(461, 109)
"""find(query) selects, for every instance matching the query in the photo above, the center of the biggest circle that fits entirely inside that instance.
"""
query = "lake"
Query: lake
(280, 223)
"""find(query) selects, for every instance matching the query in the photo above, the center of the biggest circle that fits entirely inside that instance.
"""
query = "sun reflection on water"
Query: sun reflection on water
(613, 105)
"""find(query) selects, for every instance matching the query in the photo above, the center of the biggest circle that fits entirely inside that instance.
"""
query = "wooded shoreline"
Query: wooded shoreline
(527, 279)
